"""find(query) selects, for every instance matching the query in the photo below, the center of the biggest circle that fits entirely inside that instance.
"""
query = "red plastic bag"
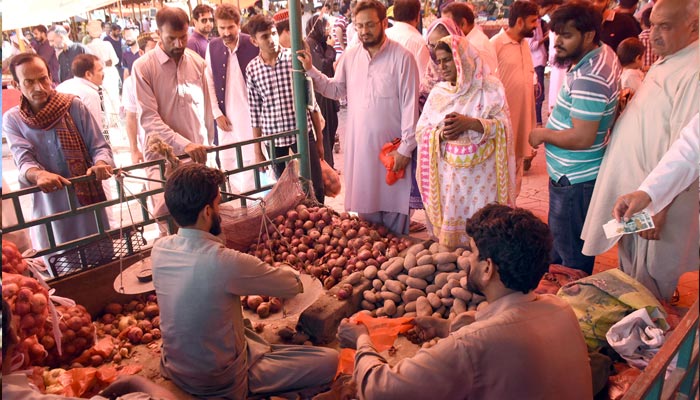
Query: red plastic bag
(388, 161)
(331, 180)
(383, 332)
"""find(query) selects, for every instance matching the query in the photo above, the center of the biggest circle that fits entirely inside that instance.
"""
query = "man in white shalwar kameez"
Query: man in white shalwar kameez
(666, 102)
(380, 79)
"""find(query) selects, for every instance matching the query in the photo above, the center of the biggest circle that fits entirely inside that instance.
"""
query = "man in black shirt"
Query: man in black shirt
(115, 39)
(616, 26)
(69, 50)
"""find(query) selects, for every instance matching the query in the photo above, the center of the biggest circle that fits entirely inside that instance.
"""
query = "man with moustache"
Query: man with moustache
(516, 71)
(52, 137)
(207, 350)
(43, 48)
(502, 351)
(380, 79)
(652, 121)
(203, 17)
(576, 132)
(227, 58)
(172, 91)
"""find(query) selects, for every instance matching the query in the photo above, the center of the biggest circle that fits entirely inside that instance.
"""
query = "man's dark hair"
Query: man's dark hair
(370, 5)
(344, 8)
(521, 9)
(282, 26)
(628, 3)
(629, 49)
(406, 10)
(517, 242)
(40, 28)
(228, 11)
(442, 45)
(646, 15)
(82, 63)
(143, 40)
(584, 17)
(23, 58)
(189, 189)
(173, 17)
(200, 10)
(116, 27)
(460, 12)
(259, 23)
(6, 326)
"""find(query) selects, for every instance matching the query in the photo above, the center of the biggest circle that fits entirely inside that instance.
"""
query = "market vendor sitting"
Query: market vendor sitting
(206, 350)
(522, 345)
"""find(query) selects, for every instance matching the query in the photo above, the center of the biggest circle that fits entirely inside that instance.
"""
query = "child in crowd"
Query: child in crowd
(630, 52)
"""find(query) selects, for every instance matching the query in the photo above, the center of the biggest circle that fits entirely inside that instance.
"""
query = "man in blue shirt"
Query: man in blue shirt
(576, 133)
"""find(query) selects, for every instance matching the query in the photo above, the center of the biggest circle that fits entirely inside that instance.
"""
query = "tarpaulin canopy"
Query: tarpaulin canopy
(26, 13)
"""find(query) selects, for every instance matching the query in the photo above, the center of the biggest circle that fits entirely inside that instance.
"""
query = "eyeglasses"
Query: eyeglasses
(205, 20)
(368, 26)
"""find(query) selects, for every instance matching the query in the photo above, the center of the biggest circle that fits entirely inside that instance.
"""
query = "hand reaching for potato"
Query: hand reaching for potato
(428, 328)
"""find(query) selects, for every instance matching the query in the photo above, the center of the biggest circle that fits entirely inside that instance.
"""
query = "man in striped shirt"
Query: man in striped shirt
(575, 136)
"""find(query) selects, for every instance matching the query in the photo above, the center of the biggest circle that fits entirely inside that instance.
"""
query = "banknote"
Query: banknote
(640, 221)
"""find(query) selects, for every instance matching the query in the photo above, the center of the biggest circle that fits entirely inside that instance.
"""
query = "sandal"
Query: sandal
(415, 227)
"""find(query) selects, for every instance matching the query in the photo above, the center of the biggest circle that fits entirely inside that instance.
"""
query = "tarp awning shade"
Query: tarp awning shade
(25, 13)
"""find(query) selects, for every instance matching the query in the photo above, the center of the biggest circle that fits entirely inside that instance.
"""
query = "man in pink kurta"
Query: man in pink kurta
(381, 82)
(518, 76)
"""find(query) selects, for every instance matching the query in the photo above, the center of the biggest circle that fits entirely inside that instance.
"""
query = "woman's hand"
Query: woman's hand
(456, 124)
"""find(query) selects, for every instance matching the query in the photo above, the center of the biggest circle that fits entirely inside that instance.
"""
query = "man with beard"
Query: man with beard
(172, 91)
(52, 137)
(115, 40)
(207, 351)
(131, 53)
(520, 343)
(380, 79)
(517, 73)
(203, 17)
(227, 58)
(43, 48)
(575, 136)
(68, 51)
(666, 102)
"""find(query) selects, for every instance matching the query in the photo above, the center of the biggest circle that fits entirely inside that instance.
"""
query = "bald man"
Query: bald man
(666, 102)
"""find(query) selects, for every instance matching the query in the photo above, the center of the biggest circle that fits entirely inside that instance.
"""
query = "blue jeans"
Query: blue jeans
(568, 205)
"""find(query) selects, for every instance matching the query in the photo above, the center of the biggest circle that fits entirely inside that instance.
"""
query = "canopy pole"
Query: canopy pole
(121, 14)
(299, 86)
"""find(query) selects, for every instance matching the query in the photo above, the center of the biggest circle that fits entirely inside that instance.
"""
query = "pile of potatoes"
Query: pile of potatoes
(425, 282)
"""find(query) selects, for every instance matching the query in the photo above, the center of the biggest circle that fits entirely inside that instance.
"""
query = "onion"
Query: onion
(151, 310)
(364, 255)
(324, 239)
(351, 233)
(308, 225)
(124, 322)
(314, 234)
(304, 214)
(321, 224)
(292, 215)
(135, 334)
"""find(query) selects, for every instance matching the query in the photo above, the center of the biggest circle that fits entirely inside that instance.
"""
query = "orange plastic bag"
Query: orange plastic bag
(388, 161)
(331, 180)
(383, 332)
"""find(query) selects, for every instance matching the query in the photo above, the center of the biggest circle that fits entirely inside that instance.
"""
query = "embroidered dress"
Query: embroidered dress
(458, 177)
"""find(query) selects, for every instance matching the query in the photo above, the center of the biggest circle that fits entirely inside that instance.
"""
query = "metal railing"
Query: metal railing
(105, 233)
(682, 383)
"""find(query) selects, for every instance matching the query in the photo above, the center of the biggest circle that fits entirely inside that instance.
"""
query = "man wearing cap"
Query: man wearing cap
(227, 58)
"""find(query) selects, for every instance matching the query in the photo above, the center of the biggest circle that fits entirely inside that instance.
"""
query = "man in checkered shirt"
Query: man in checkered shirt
(269, 81)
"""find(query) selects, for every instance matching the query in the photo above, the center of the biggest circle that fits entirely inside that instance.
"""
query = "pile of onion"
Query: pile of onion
(28, 301)
(12, 261)
(327, 245)
(78, 335)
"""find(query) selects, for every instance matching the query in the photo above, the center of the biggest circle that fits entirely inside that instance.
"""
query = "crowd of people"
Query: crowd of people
(463, 114)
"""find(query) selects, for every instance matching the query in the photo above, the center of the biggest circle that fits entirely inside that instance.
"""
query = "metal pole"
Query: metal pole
(299, 86)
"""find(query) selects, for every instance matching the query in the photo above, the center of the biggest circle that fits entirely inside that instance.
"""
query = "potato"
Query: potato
(434, 248)
(400, 311)
(369, 296)
(389, 307)
(422, 271)
(370, 272)
(459, 306)
(447, 301)
(394, 286)
(402, 278)
(425, 252)
(354, 278)
(449, 267)
(416, 283)
(411, 294)
(432, 288)
(411, 314)
(441, 279)
(410, 261)
(423, 307)
(463, 262)
(383, 276)
(444, 258)
(275, 304)
(410, 307)
(395, 268)
(377, 284)
(415, 249)
(390, 296)
(434, 300)
(424, 260)
(366, 305)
